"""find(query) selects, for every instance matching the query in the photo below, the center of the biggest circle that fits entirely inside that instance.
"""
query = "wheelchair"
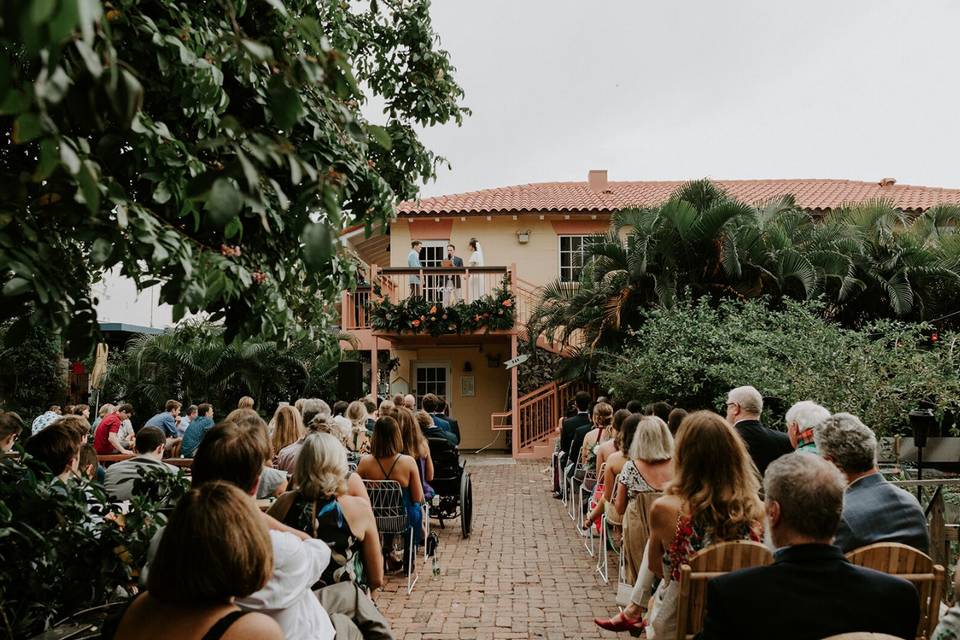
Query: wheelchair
(452, 484)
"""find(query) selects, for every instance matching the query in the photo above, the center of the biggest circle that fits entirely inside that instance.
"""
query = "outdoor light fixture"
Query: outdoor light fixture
(523, 237)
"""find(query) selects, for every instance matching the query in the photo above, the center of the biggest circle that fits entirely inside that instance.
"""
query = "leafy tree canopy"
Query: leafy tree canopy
(214, 146)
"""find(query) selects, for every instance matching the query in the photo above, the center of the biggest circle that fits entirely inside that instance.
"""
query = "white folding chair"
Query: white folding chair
(587, 487)
(386, 498)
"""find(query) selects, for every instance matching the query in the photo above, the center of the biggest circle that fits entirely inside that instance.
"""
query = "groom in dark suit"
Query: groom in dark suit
(810, 591)
(452, 283)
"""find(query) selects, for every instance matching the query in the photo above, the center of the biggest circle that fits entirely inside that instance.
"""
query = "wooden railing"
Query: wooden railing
(541, 409)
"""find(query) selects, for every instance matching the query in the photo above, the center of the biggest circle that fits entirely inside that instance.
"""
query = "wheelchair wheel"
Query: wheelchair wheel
(466, 504)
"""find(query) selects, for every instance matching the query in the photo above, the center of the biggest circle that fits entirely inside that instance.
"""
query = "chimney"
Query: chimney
(887, 182)
(597, 180)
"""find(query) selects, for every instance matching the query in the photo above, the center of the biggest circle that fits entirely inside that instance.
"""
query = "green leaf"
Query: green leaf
(278, 6)
(381, 136)
(317, 246)
(284, 104)
(69, 158)
(101, 250)
(49, 159)
(233, 228)
(258, 50)
(16, 287)
(40, 10)
(224, 201)
(89, 192)
(27, 127)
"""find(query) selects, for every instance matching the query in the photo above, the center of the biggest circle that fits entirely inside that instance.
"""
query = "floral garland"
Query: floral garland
(419, 315)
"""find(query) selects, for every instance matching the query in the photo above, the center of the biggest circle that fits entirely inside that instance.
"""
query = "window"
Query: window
(431, 379)
(573, 255)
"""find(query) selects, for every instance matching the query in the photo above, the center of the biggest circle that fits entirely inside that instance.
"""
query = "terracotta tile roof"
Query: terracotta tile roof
(813, 194)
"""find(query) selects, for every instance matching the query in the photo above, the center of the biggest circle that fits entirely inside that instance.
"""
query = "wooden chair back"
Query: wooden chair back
(709, 563)
(906, 562)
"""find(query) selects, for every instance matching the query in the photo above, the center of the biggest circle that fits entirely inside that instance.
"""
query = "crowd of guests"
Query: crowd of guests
(302, 569)
(669, 484)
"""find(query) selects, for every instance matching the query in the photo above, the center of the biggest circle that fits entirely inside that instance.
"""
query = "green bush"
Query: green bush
(58, 557)
(31, 376)
(693, 353)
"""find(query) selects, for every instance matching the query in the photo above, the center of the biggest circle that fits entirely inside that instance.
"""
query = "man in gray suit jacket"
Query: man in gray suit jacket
(873, 509)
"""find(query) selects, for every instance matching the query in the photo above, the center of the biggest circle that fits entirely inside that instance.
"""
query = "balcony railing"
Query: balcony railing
(445, 285)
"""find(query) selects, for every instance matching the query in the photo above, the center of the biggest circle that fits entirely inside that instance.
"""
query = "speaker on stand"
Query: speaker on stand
(349, 380)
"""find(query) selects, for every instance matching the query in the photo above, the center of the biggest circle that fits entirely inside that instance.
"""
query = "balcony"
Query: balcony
(470, 295)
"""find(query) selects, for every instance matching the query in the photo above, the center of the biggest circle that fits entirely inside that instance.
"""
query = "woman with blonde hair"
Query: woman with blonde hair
(287, 428)
(321, 507)
(713, 497)
(214, 548)
(641, 481)
(357, 415)
(246, 402)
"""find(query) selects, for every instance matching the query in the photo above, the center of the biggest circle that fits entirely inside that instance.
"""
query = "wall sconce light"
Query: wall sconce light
(467, 367)
(523, 237)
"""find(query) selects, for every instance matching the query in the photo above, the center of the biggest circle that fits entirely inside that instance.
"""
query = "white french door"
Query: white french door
(432, 254)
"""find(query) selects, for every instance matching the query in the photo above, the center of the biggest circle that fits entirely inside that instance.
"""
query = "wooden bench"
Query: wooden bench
(107, 459)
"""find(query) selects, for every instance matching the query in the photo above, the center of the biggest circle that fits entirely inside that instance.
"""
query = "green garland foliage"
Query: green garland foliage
(418, 315)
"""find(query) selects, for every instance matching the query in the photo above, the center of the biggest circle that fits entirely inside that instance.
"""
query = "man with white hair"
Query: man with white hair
(744, 406)
(801, 418)
(873, 509)
(810, 590)
(410, 402)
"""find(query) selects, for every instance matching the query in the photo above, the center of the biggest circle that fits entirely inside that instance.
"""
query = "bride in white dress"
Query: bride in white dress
(475, 260)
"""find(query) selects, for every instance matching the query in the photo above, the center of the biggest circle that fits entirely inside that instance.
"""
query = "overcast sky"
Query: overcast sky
(655, 89)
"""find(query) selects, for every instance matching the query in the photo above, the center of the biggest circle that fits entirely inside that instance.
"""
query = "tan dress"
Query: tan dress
(636, 519)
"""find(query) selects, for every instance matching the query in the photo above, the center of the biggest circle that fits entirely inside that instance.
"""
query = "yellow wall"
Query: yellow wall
(538, 261)
(491, 384)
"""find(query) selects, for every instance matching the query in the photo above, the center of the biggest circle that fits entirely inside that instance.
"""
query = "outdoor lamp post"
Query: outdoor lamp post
(921, 421)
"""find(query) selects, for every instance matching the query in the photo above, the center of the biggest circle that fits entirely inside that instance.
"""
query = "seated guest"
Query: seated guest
(712, 498)
(386, 461)
(623, 428)
(359, 442)
(288, 428)
(372, 416)
(166, 420)
(569, 430)
(339, 419)
(444, 410)
(810, 591)
(744, 406)
(235, 454)
(313, 408)
(801, 418)
(185, 420)
(660, 409)
(246, 402)
(11, 426)
(634, 406)
(416, 446)
(196, 430)
(428, 427)
(409, 401)
(56, 447)
(89, 466)
(121, 476)
(642, 480)
(599, 431)
(873, 509)
(77, 424)
(674, 419)
(82, 410)
(45, 418)
(273, 482)
(198, 573)
(104, 411)
(106, 438)
(430, 404)
(321, 507)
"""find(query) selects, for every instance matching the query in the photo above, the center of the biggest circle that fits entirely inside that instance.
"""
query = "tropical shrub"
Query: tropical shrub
(31, 372)
(694, 352)
(416, 314)
(191, 363)
(217, 148)
(66, 548)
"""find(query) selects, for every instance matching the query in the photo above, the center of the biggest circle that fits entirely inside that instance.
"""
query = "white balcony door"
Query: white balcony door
(432, 254)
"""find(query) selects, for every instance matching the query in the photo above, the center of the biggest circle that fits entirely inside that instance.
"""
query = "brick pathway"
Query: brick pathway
(523, 573)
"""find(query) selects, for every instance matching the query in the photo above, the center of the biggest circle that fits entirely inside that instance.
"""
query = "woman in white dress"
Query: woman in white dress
(476, 260)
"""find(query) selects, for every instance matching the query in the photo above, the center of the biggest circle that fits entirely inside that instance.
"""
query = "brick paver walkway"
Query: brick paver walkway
(523, 573)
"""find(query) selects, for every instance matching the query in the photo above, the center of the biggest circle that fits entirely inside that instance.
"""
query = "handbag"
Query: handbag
(346, 598)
